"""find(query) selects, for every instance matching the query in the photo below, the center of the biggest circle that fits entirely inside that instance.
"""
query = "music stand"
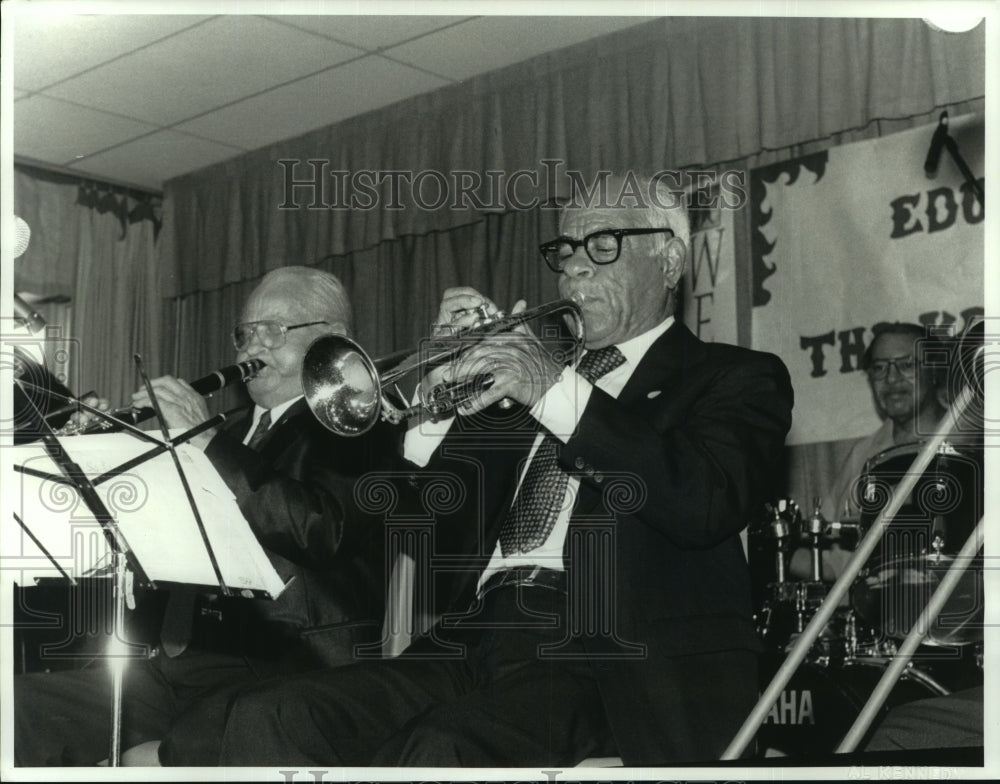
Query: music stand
(257, 576)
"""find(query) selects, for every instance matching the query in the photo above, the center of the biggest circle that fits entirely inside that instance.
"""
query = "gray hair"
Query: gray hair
(319, 294)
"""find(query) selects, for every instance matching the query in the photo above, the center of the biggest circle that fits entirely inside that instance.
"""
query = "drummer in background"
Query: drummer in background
(954, 720)
(904, 396)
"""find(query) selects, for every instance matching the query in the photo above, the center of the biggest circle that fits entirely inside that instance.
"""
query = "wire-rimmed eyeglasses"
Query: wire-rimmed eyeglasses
(603, 247)
(270, 334)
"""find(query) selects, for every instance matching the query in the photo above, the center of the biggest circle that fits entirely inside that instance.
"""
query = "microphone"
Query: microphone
(32, 318)
(937, 144)
(22, 236)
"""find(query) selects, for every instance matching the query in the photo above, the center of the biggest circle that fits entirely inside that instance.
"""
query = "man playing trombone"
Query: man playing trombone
(293, 481)
(595, 593)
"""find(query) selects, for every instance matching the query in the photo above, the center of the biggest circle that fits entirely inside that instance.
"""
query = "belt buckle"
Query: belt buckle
(520, 575)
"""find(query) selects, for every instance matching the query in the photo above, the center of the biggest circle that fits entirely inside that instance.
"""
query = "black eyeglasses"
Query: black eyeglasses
(603, 247)
(270, 334)
(905, 366)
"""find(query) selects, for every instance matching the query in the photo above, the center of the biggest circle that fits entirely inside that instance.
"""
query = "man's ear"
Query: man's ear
(672, 261)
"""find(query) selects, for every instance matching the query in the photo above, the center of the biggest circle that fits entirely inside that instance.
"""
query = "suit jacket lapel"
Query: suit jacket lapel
(238, 425)
(661, 367)
(674, 350)
(285, 431)
(279, 435)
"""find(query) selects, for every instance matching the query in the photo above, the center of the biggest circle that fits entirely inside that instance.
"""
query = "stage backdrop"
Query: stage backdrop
(853, 236)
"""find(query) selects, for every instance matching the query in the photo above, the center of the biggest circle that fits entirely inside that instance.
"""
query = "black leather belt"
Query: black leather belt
(553, 579)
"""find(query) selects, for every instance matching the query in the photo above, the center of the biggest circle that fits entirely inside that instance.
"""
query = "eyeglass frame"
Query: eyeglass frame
(892, 362)
(574, 244)
(285, 329)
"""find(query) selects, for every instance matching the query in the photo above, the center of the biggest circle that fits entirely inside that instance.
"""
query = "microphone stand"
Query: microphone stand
(866, 546)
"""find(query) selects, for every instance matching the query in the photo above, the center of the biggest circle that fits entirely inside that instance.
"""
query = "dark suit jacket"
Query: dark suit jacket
(296, 493)
(670, 471)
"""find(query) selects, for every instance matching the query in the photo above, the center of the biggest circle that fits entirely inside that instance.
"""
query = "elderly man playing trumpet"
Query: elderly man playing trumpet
(595, 593)
(293, 481)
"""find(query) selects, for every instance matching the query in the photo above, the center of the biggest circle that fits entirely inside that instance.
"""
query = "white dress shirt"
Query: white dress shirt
(276, 413)
(559, 411)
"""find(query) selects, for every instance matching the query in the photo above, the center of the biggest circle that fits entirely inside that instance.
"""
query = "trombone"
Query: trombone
(345, 388)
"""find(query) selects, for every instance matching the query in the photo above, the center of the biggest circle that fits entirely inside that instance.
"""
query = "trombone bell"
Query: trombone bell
(341, 385)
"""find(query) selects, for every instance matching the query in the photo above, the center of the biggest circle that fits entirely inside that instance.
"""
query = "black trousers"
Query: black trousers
(496, 701)
(64, 718)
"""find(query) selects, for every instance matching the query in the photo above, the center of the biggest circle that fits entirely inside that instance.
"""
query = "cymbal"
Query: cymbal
(39, 398)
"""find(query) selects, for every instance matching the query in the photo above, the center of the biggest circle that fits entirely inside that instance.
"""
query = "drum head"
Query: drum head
(946, 500)
(891, 595)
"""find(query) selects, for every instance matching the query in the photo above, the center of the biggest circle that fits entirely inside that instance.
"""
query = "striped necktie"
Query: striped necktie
(262, 427)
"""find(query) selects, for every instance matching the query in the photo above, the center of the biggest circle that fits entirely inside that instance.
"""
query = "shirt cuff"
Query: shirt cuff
(422, 440)
(560, 409)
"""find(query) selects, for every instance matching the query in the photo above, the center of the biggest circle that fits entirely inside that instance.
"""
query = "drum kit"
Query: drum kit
(848, 656)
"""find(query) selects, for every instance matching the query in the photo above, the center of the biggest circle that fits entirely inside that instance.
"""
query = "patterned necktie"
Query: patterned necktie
(262, 427)
(535, 510)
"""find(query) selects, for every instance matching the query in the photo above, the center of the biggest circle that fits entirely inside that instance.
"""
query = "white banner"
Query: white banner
(709, 298)
(851, 237)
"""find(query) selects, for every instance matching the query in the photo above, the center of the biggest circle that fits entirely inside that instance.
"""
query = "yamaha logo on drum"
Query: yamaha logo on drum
(793, 707)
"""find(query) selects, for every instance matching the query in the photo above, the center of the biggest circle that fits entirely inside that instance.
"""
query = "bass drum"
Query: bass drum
(819, 705)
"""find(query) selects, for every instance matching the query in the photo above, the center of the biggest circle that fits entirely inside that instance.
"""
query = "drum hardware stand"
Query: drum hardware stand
(839, 590)
(901, 661)
(780, 529)
(815, 526)
(125, 565)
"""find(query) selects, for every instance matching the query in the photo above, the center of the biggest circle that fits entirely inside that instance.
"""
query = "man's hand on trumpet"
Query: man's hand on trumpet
(521, 367)
(182, 407)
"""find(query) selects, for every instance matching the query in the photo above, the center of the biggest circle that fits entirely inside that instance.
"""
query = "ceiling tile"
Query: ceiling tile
(152, 159)
(334, 95)
(50, 47)
(51, 130)
(371, 32)
(487, 43)
(223, 60)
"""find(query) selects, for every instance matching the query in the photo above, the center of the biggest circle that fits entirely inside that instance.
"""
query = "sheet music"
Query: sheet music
(151, 509)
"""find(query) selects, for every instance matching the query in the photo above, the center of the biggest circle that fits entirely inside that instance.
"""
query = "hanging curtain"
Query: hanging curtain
(675, 93)
(395, 288)
(95, 244)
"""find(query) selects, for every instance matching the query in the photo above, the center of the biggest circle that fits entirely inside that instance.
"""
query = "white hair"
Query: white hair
(319, 294)
(643, 201)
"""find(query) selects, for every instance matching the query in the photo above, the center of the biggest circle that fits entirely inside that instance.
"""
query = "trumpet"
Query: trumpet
(116, 420)
(345, 388)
